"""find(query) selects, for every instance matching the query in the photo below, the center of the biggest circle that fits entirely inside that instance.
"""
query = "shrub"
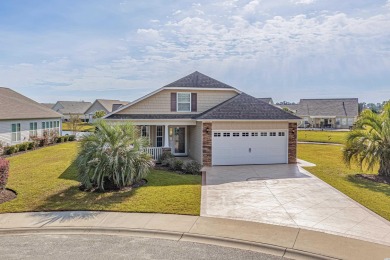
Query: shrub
(60, 139)
(11, 149)
(66, 138)
(23, 146)
(164, 159)
(175, 164)
(4, 170)
(192, 167)
(31, 145)
(112, 157)
(72, 137)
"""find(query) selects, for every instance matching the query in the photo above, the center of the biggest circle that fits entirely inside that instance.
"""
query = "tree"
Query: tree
(369, 142)
(75, 123)
(99, 114)
(113, 156)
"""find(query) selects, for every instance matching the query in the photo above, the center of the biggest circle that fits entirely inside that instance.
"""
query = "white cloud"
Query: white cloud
(305, 2)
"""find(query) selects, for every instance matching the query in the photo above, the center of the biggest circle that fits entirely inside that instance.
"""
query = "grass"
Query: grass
(322, 136)
(82, 127)
(46, 180)
(331, 169)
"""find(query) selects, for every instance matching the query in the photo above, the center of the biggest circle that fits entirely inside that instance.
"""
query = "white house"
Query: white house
(21, 118)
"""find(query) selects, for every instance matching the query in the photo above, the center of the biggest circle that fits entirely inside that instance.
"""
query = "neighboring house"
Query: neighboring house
(22, 118)
(213, 123)
(67, 108)
(291, 107)
(328, 113)
(105, 105)
(267, 100)
(48, 105)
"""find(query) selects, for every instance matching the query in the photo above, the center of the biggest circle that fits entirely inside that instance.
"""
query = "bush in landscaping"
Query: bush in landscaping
(66, 138)
(192, 167)
(4, 170)
(175, 164)
(31, 145)
(11, 149)
(23, 146)
(164, 159)
(60, 139)
(113, 156)
(72, 137)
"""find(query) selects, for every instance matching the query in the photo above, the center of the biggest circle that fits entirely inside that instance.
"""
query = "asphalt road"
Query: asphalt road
(39, 246)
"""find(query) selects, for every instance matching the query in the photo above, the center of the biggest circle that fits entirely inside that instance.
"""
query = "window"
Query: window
(245, 134)
(343, 121)
(350, 121)
(272, 134)
(236, 134)
(263, 134)
(145, 131)
(226, 134)
(217, 134)
(255, 134)
(281, 133)
(183, 102)
(47, 125)
(159, 136)
(43, 125)
(16, 135)
(33, 129)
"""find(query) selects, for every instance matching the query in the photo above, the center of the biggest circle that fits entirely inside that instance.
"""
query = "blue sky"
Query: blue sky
(284, 49)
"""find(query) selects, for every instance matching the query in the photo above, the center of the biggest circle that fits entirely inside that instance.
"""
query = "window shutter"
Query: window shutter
(194, 102)
(173, 102)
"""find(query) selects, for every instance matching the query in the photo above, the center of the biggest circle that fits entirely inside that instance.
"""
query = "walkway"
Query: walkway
(276, 240)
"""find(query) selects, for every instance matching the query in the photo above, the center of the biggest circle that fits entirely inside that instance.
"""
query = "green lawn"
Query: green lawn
(45, 180)
(322, 136)
(331, 169)
(83, 127)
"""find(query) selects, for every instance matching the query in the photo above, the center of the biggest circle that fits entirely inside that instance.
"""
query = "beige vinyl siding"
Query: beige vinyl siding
(248, 125)
(160, 103)
(6, 132)
(195, 142)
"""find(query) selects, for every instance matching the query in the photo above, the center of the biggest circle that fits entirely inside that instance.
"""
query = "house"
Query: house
(48, 105)
(105, 105)
(213, 123)
(331, 113)
(22, 118)
(68, 108)
(290, 107)
(267, 100)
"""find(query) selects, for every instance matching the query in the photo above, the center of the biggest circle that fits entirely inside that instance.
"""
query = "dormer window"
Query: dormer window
(183, 102)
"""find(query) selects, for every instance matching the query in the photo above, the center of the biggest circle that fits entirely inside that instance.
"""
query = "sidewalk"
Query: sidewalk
(289, 242)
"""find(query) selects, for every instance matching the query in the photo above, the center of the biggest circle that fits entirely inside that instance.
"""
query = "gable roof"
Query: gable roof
(48, 105)
(14, 105)
(198, 80)
(73, 107)
(266, 100)
(246, 107)
(328, 107)
(108, 104)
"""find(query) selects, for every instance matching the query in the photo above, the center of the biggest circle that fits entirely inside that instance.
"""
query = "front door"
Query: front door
(177, 139)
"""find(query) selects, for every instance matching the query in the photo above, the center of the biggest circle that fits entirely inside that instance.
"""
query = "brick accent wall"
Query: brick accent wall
(206, 144)
(292, 143)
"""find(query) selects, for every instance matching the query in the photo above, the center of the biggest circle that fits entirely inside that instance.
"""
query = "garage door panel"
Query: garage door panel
(249, 147)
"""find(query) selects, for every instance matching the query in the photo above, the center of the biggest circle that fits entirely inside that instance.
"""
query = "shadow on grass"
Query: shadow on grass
(369, 185)
(70, 173)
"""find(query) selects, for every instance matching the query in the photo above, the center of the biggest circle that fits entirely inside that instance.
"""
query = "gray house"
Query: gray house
(22, 118)
(328, 113)
(106, 105)
(67, 108)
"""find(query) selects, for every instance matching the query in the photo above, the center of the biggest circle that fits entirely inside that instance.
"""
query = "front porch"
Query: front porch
(172, 138)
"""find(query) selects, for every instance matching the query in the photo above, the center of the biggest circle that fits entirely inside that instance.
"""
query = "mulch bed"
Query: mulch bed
(374, 178)
(109, 188)
(7, 195)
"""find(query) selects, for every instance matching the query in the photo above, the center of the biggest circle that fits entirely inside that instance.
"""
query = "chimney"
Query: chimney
(116, 107)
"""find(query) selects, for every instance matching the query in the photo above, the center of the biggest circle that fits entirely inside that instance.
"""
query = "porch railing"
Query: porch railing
(155, 152)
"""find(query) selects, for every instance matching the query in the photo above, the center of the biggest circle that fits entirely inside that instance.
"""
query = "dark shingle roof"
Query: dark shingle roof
(152, 116)
(328, 107)
(198, 80)
(244, 106)
(73, 107)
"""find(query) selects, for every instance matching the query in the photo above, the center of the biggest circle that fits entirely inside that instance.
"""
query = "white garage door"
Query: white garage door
(249, 147)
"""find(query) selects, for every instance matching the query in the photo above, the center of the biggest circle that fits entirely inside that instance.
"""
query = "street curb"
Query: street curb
(170, 235)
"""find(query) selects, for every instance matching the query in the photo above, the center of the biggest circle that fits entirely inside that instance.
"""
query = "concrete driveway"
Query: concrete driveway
(290, 196)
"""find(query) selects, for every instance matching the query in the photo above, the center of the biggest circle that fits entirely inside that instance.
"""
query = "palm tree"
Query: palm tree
(369, 142)
(113, 156)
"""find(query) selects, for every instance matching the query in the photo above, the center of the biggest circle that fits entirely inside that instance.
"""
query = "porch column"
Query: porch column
(166, 137)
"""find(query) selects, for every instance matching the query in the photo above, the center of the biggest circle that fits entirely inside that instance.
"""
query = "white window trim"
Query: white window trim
(162, 135)
(177, 101)
(17, 133)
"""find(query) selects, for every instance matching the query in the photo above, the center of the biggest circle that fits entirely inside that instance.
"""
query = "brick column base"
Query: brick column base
(207, 142)
(292, 142)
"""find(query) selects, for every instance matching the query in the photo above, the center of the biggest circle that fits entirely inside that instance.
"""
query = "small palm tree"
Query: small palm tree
(369, 142)
(113, 156)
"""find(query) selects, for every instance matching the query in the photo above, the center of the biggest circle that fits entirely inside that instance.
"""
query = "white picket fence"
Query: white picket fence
(155, 152)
